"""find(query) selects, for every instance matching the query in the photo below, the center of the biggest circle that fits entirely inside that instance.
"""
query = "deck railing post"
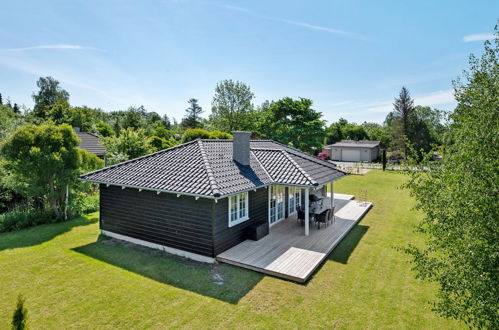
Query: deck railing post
(332, 196)
(306, 212)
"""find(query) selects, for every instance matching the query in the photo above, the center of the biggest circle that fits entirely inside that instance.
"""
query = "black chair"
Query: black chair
(301, 215)
(322, 218)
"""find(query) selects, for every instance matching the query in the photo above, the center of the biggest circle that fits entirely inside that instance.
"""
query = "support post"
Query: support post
(306, 211)
(332, 196)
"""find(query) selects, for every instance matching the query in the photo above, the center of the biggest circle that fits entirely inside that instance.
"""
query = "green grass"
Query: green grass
(71, 278)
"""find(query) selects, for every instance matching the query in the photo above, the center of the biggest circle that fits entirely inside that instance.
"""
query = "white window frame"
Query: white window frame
(292, 191)
(238, 198)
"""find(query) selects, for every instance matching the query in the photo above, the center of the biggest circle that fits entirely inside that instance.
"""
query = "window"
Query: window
(294, 194)
(238, 209)
(276, 204)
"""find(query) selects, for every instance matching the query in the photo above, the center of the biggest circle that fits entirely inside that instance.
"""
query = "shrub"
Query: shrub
(20, 316)
(396, 155)
(104, 129)
(20, 218)
(192, 134)
(220, 135)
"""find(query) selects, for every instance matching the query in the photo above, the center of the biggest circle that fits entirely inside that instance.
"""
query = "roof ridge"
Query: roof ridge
(263, 167)
(209, 172)
(302, 171)
(138, 158)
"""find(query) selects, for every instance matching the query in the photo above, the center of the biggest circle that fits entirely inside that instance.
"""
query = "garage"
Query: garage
(350, 155)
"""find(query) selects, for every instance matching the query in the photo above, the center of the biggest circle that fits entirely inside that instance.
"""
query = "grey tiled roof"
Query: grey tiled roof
(91, 143)
(206, 168)
(355, 144)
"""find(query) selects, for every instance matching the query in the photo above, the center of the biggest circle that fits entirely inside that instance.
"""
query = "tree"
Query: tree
(166, 122)
(1, 100)
(44, 161)
(16, 108)
(295, 123)
(377, 132)
(50, 93)
(104, 129)
(231, 106)
(192, 117)
(403, 115)
(131, 143)
(20, 317)
(459, 200)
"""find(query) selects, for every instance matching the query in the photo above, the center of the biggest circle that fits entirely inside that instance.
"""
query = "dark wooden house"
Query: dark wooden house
(199, 198)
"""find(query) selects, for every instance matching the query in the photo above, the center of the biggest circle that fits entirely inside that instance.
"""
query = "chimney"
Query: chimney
(241, 147)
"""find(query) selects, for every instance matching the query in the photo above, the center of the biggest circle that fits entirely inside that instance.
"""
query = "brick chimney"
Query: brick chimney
(241, 147)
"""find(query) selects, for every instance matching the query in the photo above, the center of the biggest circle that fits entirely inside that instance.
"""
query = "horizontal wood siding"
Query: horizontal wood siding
(179, 222)
(225, 237)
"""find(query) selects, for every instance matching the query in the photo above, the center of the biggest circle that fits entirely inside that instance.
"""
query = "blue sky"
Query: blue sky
(350, 57)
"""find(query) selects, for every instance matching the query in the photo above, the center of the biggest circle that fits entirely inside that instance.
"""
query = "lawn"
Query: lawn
(71, 278)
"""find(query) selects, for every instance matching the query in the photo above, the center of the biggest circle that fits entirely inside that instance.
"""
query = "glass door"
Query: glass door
(276, 204)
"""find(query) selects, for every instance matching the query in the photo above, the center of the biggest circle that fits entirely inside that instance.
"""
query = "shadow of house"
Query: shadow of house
(219, 281)
(41, 233)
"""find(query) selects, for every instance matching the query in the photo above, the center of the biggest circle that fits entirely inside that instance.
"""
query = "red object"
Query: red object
(323, 155)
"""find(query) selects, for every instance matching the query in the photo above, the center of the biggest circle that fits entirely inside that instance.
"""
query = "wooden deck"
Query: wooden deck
(287, 253)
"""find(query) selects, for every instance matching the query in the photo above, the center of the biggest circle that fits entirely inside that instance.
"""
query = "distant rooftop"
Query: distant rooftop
(357, 144)
(90, 142)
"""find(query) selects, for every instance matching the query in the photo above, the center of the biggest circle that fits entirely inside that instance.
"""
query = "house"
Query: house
(198, 199)
(90, 142)
(353, 151)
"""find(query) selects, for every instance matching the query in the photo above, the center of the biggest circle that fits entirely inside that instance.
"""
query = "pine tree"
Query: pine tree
(16, 108)
(403, 113)
(166, 122)
(192, 119)
(1, 101)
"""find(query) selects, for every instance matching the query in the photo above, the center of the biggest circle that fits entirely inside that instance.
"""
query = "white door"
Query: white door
(276, 204)
(350, 155)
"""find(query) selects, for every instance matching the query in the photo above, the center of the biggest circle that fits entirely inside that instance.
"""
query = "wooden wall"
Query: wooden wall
(179, 222)
(225, 237)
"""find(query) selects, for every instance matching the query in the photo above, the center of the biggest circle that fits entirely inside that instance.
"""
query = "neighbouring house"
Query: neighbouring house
(199, 199)
(90, 142)
(353, 151)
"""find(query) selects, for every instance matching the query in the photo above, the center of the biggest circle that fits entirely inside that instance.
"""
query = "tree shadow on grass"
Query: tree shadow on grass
(41, 233)
(343, 250)
(219, 281)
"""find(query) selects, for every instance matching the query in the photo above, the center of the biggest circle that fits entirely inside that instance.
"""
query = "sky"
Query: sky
(350, 57)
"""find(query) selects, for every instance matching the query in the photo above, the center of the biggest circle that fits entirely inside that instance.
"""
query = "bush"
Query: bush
(25, 217)
(20, 218)
(396, 155)
(192, 134)
(83, 203)
(220, 135)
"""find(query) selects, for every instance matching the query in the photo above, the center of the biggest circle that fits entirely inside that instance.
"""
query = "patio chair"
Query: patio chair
(301, 215)
(322, 218)
(331, 216)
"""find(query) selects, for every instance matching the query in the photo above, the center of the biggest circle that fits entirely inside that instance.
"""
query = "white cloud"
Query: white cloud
(56, 47)
(430, 99)
(296, 23)
(436, 98)
(235, 8)
(478, 37)
(320, 28)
